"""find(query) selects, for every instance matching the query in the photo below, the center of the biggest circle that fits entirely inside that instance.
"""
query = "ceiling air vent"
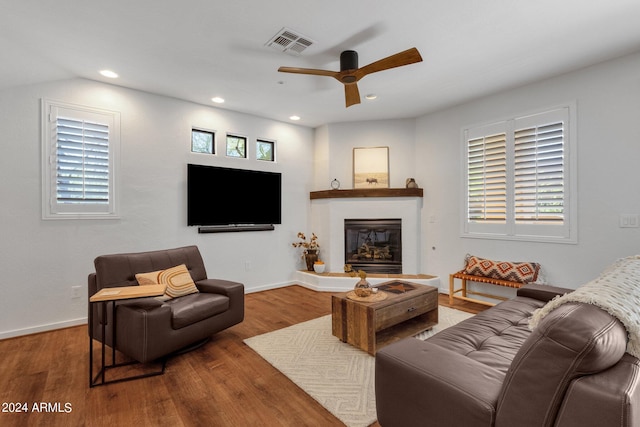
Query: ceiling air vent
(289, 41)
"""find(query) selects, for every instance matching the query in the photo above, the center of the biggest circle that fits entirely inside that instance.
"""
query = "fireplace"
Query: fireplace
(373, 245)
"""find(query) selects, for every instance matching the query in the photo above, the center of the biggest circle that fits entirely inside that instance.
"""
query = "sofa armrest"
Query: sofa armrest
(233, 290)
(146, 303)
(609, 398)
(418, 381)
(543, 293)
(220, 286)
(574, 340)
(142, 330)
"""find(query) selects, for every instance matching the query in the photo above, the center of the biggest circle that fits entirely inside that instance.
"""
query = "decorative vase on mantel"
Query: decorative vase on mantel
(310, 256)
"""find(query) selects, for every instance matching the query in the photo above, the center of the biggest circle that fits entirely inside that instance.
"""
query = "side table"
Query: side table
(104, 296)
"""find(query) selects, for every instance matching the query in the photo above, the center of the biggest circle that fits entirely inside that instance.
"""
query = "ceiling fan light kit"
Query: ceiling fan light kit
(349, 73)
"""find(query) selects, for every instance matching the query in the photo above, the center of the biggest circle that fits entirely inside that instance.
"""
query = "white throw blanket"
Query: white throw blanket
(616, 290)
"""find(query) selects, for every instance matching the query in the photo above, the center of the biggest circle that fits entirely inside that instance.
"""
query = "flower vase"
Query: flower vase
(310, 256)
(362, 288)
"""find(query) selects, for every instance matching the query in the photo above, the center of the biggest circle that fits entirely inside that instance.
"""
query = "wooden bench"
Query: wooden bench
(464, 291)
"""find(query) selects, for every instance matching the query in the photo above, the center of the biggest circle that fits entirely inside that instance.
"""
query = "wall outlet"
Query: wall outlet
(629, 221)
(75, 291)
(247, 266)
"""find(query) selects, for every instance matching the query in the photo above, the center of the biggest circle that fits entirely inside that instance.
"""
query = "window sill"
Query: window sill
(533, 239)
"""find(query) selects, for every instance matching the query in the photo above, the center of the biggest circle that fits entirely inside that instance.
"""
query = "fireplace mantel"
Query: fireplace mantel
(366, 192)
(329, 209)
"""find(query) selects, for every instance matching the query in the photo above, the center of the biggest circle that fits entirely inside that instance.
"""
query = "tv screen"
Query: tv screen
(225, 196)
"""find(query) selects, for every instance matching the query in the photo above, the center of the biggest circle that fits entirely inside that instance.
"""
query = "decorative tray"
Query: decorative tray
(378, 296)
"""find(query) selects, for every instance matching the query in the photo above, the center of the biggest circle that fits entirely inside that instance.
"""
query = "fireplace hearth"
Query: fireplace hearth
(374, 245)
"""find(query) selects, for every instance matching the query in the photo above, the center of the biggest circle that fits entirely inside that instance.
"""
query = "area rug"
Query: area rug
(340, 377)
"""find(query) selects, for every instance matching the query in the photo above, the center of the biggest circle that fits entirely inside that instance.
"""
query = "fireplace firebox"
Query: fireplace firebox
(373, 245)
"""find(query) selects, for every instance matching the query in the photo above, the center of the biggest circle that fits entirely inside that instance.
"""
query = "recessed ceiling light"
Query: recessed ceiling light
(217, 100)
(294, 118)
(371, 96)
(110, 74)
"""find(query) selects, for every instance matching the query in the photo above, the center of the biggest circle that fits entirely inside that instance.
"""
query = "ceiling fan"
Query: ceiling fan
(349, 73)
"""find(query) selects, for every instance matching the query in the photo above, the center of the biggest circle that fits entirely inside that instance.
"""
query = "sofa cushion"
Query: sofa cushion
(521, 272)
(492, 337)
(120, 269)
(193, 308)
(418, 383)
(177, 279)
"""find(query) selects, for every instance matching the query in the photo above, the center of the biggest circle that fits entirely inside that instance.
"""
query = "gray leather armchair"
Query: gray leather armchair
(148, 329)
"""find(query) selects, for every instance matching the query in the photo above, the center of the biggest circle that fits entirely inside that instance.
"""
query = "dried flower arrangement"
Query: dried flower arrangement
(307, 244)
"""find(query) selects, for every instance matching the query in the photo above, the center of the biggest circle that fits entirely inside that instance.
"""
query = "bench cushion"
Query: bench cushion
(520, 272)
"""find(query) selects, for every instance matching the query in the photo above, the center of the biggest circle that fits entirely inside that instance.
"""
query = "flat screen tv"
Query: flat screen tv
(226, 196)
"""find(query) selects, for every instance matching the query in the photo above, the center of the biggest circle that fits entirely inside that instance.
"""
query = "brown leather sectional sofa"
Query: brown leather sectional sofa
(148, 329)
(492, 370)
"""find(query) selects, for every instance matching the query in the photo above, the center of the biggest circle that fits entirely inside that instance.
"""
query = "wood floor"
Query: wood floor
(223, 383)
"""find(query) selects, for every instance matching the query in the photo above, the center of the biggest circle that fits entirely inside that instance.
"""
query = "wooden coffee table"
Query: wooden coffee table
(408, 309)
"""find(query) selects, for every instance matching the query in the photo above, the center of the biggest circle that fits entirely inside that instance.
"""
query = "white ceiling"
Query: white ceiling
(197, 49)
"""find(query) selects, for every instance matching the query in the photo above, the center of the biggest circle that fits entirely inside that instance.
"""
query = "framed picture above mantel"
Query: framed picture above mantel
(370, 167)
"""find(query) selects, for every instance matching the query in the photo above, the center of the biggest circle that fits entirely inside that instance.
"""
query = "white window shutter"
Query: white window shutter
(81, 145)
(82, 153)
(520, 182)
(487, 178)
(539, 173)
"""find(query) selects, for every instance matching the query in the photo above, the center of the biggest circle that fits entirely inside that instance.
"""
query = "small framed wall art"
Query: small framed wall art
(371, 167)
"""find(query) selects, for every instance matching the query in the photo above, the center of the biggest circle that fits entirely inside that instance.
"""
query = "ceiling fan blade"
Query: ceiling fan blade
(311, 71)
(409, 56)
(351, 94)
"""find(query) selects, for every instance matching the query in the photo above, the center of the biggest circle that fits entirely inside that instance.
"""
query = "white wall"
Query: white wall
(335, 144)
(328, 216)
(42, 260)
(608, 113)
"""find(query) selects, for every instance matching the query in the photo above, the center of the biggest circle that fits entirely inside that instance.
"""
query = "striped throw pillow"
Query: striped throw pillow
(177, 279)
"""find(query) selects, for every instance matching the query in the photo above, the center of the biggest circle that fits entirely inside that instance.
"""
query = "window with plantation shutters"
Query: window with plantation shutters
(520, 180)
(80, 147)
(487, 178)
(539, 173)
(82, 161)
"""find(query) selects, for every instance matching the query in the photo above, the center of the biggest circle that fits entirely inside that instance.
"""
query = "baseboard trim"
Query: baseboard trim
(311, 281)
(333, 282)
(269, 287)
(327, 283)
(43, 328)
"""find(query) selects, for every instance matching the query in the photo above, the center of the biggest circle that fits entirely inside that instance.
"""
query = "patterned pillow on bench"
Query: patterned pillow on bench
(521, 272)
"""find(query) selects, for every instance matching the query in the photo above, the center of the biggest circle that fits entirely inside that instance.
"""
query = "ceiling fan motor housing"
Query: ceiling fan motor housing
(348, 60)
